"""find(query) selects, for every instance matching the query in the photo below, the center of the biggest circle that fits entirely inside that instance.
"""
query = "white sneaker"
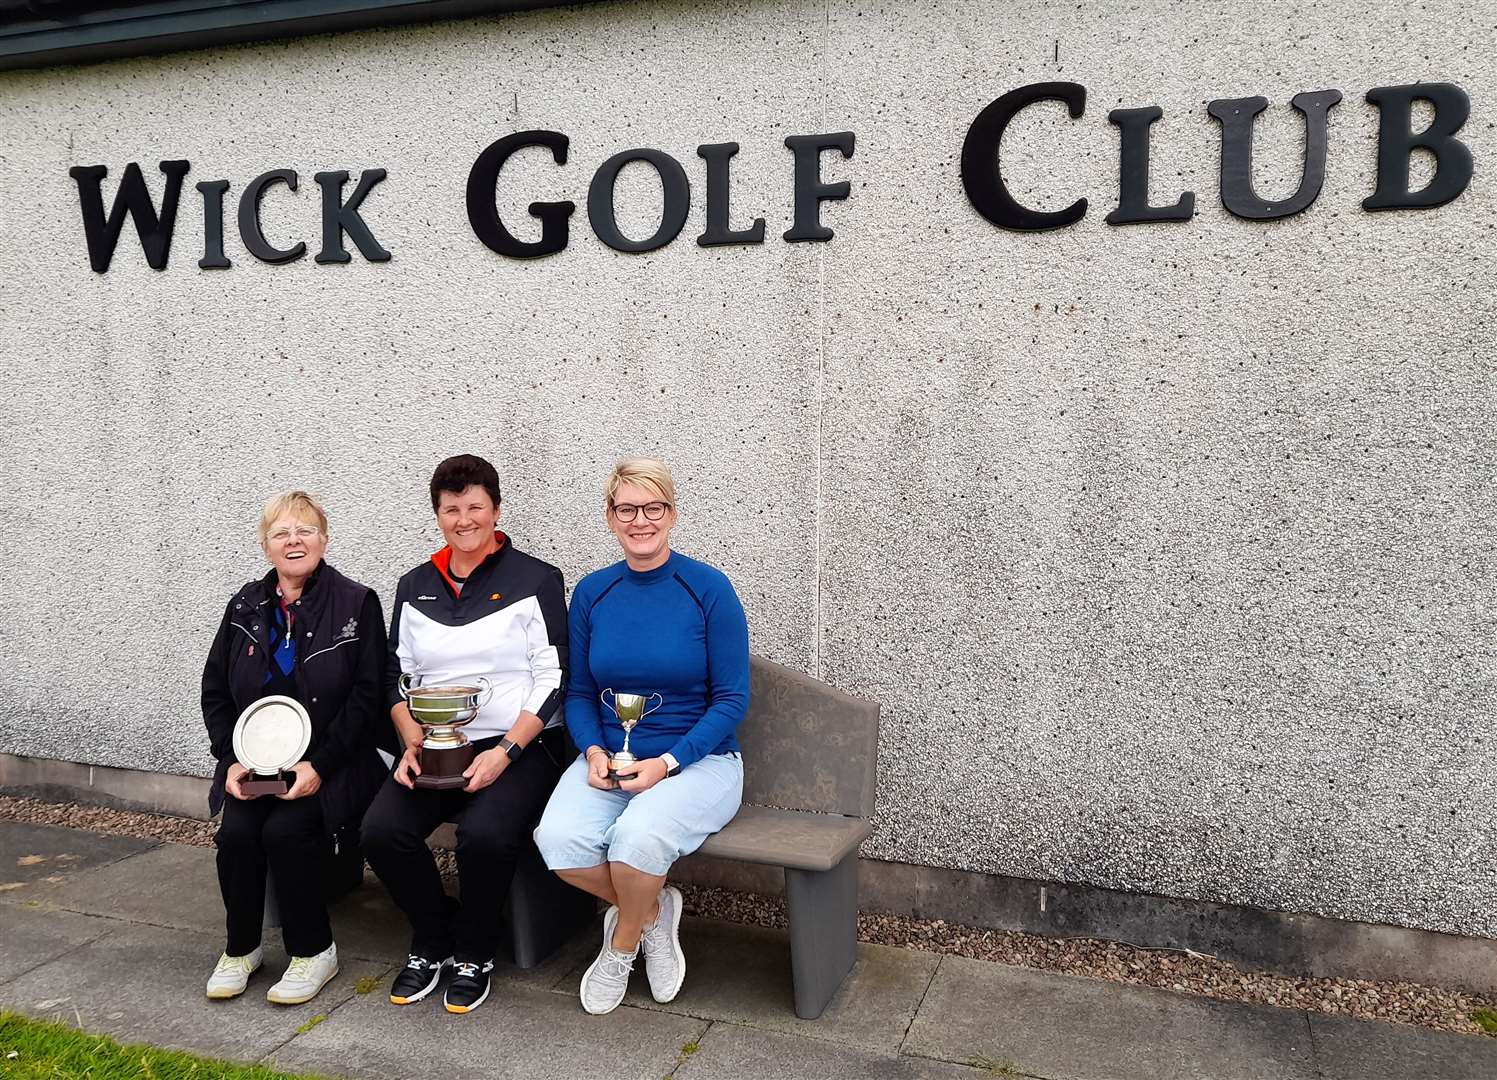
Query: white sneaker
(606, 980)
(665, 963)
(232, 974)
(304, 977)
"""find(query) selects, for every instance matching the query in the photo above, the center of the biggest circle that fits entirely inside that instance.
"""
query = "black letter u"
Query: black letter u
(1237, 116)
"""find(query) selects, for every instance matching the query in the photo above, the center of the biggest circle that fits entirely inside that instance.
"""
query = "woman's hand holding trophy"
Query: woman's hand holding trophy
(629, 709)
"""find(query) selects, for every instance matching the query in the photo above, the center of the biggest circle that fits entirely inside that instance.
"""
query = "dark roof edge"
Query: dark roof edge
(197, 24)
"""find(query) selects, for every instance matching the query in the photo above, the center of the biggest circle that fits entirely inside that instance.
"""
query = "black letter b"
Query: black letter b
(1396, 140)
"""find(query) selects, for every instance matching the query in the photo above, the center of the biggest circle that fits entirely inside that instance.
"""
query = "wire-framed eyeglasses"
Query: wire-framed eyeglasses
(303, 533)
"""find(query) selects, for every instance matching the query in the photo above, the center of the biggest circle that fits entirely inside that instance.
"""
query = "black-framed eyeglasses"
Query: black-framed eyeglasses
(627, 512)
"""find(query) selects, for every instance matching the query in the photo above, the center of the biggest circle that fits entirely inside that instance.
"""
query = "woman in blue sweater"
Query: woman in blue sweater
(656, 623)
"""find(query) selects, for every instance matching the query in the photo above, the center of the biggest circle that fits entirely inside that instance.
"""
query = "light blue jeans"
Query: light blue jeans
(650, 830)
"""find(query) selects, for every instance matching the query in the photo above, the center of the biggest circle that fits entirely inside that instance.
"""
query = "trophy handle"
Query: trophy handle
(405, 682)
(659, 701)
(488, 691)
(604, 696)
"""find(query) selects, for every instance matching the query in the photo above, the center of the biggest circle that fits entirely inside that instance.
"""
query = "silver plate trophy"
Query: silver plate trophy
(630, 710)
(441, 711)
(269, 737)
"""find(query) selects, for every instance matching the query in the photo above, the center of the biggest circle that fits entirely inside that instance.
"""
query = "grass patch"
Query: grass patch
(368, 984)
(992, 1067)
(1486, 1019)
(48, 1051)
(683, 1055)
(310, 1024)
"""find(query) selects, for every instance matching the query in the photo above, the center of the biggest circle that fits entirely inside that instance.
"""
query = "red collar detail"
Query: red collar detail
(442, 560)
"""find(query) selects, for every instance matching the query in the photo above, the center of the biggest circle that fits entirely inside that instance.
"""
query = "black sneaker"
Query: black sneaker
(468, 988)
(418, 978)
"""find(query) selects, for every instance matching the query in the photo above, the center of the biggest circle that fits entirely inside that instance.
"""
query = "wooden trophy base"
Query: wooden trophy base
(442, 767)
(260, 784)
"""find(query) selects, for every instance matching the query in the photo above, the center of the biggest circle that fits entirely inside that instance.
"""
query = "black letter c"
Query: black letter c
(983, 178)
(250, 230)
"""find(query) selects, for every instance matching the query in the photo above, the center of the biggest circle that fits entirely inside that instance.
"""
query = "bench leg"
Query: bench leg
(544, 911)
(823, 932)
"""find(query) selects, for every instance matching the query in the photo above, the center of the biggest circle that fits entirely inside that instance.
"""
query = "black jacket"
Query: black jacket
(340, 656)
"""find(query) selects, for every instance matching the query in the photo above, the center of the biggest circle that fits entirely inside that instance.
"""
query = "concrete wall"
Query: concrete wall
(1164, 546)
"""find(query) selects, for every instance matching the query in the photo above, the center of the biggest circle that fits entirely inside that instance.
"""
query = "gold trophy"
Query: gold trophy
(630, 709)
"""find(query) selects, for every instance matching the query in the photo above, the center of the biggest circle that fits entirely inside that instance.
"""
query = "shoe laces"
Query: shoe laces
(467, 970)
(230, 965)
(658, 932)
(299, 967)
(616, 964)
(417, 963)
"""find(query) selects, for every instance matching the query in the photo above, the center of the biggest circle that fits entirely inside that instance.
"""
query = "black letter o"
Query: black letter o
(677, 200)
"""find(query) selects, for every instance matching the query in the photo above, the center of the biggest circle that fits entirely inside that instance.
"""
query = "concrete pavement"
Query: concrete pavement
(118, 935)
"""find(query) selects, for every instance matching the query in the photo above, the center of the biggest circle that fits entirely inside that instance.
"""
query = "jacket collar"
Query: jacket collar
(313, 595)
(442, 560)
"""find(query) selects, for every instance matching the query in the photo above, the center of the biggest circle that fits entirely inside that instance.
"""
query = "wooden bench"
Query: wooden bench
(810, 753)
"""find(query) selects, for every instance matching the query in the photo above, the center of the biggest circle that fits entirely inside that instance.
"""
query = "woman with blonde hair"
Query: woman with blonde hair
(670, 629)
(306, 632)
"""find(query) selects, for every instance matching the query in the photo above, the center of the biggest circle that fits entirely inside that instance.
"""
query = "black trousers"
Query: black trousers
(289, 838)
(493, 827)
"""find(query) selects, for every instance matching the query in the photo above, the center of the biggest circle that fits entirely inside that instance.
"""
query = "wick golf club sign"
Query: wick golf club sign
(981, 177)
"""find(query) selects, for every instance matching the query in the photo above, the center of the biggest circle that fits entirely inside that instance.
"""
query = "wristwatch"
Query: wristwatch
(672, 766)
(510, 747)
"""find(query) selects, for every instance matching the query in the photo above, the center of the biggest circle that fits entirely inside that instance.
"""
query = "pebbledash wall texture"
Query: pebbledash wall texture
(1167, 548)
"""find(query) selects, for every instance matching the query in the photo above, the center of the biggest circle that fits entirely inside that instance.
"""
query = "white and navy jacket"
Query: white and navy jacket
(506, 623)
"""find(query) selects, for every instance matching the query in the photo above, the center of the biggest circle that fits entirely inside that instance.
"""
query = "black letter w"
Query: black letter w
(134, 199)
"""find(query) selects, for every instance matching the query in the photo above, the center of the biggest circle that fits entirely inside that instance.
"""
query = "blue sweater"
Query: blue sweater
(677, 631)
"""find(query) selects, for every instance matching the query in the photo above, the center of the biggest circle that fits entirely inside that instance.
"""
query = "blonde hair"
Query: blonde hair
(648, 473)
(299, 505)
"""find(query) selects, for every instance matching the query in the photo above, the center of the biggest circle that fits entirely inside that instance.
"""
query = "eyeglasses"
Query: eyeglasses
(301, 532)
(627, 512)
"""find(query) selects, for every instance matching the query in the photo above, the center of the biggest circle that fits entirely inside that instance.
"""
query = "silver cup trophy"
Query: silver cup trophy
(442, 711)
(630, 709)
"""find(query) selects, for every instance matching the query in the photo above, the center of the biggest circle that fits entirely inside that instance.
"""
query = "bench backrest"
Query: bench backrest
(807, 745)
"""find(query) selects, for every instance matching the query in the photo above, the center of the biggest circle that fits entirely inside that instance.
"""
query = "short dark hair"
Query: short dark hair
(461, 472)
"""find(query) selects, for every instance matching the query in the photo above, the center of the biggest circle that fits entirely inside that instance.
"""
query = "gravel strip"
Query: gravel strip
(176, 830)
(1164, 969)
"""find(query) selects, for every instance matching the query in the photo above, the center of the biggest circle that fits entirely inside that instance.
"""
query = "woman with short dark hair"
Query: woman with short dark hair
(477, 608)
